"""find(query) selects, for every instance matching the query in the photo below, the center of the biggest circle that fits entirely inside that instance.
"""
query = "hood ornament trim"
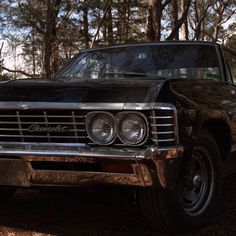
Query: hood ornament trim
(24, 106)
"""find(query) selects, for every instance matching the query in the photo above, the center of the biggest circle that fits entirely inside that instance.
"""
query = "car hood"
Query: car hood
(77, 92)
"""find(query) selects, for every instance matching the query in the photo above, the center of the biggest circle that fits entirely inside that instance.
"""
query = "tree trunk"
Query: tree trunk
(50, 42)
(184, 28)
(174, 18)
(121, 21)
(33, 53)
(220, 10)
(127, 27)
(150, 29)
(179, 22)
(100, 25)
(109, 22)
(154, 20)
(47, 42)
(85, 26)
(1, 58)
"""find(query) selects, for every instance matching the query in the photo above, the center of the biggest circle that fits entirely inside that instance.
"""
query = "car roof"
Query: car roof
(152, 43)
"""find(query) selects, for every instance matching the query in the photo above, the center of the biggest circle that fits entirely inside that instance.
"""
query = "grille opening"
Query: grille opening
(163, 127)
(71, 166)
(118, 168)
(83, 167)
(15, 126)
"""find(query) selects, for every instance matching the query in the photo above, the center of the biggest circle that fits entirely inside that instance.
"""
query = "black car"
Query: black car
(160, 117)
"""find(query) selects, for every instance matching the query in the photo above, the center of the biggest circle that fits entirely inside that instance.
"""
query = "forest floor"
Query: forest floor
(95, 212)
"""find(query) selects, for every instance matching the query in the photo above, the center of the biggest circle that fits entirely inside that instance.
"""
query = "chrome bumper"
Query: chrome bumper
(83, 150)
(151, 166)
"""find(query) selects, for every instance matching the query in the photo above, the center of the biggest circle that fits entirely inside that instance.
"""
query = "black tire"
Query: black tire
(6, 193)
(193, 203)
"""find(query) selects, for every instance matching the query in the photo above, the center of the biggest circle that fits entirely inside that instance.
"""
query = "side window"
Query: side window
(231, 60)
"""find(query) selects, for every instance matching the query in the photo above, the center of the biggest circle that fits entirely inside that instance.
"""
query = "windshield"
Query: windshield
(145, 61)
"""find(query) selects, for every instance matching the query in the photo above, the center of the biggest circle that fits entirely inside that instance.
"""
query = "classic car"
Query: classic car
(159, 117)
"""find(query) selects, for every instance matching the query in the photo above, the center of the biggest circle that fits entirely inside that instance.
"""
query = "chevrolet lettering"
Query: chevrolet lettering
(55, 129)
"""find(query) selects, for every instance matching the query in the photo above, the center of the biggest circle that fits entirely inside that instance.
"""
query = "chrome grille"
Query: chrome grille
(163, 126)
(51, 126)
(15, 125)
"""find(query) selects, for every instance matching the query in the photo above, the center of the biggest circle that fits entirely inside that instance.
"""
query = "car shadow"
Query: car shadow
(100, 211)
(96, 211)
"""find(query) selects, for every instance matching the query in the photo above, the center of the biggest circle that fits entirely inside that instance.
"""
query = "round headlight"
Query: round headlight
(101, 128)
(132, 129)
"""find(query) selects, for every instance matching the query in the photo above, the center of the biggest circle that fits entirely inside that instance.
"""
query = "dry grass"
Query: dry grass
(94, 213)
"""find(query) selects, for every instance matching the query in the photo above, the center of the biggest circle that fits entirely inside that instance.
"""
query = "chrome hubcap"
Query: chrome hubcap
(198, 183)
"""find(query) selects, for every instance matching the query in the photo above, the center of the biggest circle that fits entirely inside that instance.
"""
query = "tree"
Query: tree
(155, 11)
(48, 32)
(177, 21)
(184, 31)
(210, 16)
(101, 21)
(43, 27)
(224, 10)
(50, 38)
(108, 25)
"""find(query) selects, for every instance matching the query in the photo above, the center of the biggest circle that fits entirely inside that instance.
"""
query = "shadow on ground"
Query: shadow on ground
(103, 212)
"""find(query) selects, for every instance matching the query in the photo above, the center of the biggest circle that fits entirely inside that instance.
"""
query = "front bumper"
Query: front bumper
(31, 164)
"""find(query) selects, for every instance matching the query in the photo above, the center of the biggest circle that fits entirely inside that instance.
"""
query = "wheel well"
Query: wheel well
(221, 132)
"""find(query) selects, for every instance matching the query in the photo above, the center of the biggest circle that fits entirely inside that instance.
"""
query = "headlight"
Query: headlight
(132, 128)
(101, 128)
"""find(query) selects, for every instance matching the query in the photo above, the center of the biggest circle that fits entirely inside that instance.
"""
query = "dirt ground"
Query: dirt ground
(94, 213)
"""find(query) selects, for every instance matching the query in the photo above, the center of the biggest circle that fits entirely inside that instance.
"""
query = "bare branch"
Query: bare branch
(1, 47)
(230, 15)
(229, 50)
(209, 35)
(100, 24)
(163, 5)
(17, 71)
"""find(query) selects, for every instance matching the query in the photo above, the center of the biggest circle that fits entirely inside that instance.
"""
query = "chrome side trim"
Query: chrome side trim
(84, 106)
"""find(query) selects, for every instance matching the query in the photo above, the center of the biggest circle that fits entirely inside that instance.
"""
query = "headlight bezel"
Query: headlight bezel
(120, 116)
(117, 119)
(88, 120)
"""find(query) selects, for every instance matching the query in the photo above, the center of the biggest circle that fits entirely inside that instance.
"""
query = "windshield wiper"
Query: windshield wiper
(105, 76)
(133, 74)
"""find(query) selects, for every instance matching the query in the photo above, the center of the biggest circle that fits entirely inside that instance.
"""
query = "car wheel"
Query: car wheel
(193, 202)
